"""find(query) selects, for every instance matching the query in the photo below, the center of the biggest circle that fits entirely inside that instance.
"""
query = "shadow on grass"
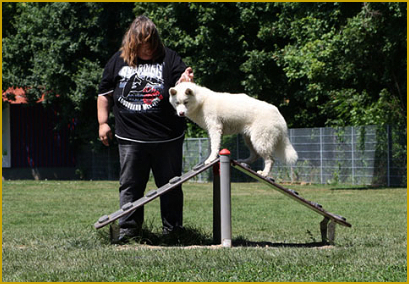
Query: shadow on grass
(186, 237)
(193, 237)
(241, 242)
(367, 187)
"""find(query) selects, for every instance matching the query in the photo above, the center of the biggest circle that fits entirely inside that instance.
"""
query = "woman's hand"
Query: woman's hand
(186, 76)
(105, 133)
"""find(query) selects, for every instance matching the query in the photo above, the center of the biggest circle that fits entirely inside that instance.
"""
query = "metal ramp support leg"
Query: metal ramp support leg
(225, 198)
(216, 204)
(327, 231)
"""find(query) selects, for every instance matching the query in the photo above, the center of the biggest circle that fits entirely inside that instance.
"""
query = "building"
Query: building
(35, 143)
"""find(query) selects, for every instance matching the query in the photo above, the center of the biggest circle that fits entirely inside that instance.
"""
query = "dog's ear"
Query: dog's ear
(172, 91)
(189, 92)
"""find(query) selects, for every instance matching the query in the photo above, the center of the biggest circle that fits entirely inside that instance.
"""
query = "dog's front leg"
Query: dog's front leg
(215, 135)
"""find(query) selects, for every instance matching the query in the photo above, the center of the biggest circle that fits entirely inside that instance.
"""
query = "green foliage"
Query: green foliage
(60, 49)
(351, 72)
(331, 64)
(207, 35)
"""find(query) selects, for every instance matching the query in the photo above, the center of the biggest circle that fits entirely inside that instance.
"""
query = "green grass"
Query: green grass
(48, 235)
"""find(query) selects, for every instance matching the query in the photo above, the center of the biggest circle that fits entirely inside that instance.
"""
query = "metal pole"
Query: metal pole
(200, 156)
(216, 204)
(321, 153)
(353, 155)
(225, 198)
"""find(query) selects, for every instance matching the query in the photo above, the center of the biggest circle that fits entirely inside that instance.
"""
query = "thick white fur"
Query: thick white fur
(262, 125)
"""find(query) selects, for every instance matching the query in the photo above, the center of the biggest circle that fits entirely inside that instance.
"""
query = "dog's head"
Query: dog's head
(182, 98)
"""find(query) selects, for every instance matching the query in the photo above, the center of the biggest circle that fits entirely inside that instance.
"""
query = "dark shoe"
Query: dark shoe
(173, 230)
(126, 235)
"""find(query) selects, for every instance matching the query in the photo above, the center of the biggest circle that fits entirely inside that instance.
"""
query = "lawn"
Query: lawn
(48, 235)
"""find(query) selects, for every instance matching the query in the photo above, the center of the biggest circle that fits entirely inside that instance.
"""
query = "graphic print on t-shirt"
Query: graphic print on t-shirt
(141, 87)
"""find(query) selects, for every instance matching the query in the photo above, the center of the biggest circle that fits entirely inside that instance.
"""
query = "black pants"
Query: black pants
(165, 160)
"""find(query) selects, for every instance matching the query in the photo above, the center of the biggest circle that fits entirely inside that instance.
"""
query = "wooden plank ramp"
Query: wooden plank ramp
(153, 194)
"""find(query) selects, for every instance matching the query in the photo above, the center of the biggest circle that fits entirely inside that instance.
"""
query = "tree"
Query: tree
(60, 49)
(348, 68)
(322, 64)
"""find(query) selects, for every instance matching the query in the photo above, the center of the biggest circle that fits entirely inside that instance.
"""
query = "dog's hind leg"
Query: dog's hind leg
(264, 142)
(253, 154)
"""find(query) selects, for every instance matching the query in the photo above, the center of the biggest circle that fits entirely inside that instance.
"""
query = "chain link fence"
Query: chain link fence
(370, 155)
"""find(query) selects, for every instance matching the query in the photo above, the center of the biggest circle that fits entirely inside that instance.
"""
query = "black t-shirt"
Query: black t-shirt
(141, 97)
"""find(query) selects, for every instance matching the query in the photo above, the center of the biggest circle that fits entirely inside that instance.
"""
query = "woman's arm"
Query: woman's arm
(103, 106)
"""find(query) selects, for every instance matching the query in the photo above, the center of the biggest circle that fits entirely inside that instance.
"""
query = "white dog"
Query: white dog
(263, 127)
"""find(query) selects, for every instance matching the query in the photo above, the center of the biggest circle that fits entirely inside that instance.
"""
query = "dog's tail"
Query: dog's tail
(286, 152)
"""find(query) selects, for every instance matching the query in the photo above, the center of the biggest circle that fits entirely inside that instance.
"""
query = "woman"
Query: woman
(150, 135)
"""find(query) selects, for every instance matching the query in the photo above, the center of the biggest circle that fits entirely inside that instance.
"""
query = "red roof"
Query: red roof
(17, 96)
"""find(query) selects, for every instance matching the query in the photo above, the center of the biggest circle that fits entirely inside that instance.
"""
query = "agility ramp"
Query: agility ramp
(222, 200)
(151, 195)
(327, 226)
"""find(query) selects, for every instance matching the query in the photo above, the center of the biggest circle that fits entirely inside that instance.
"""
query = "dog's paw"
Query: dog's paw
(209, 160)
(244, 164)
(263, 174)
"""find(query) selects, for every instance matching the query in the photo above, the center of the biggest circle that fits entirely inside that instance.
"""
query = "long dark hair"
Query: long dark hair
(142, 30)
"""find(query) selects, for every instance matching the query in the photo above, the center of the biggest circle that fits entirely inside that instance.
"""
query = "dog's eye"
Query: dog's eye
(185, 102)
